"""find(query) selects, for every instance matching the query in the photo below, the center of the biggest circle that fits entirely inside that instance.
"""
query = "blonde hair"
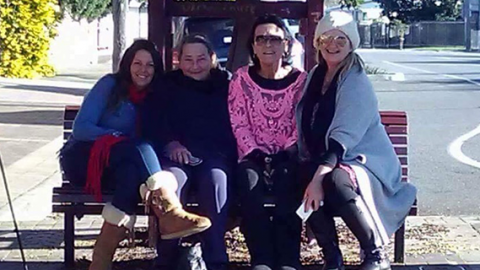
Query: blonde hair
(350, 61)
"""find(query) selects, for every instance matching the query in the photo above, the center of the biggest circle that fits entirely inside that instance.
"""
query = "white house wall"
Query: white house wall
(82, 43)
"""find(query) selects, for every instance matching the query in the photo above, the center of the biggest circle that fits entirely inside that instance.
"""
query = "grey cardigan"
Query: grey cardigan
(357, 127)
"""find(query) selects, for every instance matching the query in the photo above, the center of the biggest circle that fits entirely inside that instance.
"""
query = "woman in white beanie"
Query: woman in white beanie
(352, 167)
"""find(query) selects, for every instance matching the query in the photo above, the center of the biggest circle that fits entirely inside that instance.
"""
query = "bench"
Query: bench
(73, 202)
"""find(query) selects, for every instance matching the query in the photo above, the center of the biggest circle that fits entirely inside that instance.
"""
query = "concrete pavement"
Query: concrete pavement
(433, 242)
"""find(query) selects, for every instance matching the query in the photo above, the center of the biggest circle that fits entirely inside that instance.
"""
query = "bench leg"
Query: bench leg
(399, 256)
(69, 238)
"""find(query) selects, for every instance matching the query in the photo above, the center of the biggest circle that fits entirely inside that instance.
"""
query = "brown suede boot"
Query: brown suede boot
(115, 228)
(173, 221)
(106, 245)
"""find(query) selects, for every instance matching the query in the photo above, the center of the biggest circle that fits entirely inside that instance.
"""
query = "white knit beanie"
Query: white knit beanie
(342, 21)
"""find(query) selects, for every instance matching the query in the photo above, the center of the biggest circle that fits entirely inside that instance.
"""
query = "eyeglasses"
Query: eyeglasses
(274, 40)
(325, 40)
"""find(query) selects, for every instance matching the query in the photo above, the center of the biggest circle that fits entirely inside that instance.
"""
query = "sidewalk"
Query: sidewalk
(431, 242)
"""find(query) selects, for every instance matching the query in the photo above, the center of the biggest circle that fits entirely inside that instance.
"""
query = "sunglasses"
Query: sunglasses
(274, 40)
(340, 41)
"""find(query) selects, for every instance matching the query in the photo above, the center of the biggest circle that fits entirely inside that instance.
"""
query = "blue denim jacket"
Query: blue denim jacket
(94, 118)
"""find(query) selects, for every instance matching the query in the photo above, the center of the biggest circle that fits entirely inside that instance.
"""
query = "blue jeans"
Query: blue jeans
(210, 182)
(131, 163)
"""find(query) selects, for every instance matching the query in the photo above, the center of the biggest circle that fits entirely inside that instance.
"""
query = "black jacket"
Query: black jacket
(195, 113)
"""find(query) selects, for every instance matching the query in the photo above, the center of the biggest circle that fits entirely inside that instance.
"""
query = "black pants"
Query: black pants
(276, 241)
(131, 163)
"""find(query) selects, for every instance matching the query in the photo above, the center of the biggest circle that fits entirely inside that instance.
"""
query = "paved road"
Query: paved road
(441, 93)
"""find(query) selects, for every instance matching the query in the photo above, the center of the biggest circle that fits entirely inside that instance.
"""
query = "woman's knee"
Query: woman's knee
(180, 175)
(247, 176)
(339, 188)
(136, 151)
(336, 180)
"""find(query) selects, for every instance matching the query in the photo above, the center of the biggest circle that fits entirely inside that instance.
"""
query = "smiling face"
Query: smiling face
(142, 69)
(334, 46)
(195, 61)
(269, 44)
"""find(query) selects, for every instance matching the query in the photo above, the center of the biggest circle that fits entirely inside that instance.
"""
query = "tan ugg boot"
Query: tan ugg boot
(173, 221)
(115, 228)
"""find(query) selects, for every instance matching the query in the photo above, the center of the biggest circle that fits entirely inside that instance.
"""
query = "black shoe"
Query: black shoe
(375, 260)
(289, 268)
(334, 261)
(261, 267)
(216, 266)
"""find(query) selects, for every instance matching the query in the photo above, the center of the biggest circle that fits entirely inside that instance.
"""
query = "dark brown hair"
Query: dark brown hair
(271, 19)
(123, 76)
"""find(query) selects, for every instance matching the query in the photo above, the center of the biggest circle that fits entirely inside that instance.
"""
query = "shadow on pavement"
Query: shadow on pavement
(35, 117)
(94, 76)
(44, 239)
(49, 89)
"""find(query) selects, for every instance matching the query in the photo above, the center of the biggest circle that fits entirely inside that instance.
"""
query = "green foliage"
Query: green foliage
(26, 29)
(86, 9)
(409, 11)
(350, 3)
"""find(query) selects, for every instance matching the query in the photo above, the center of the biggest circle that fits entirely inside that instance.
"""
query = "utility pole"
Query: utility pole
(468, 28)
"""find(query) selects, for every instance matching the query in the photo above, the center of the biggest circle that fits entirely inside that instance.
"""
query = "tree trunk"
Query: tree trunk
(238, 54)
(119, 14)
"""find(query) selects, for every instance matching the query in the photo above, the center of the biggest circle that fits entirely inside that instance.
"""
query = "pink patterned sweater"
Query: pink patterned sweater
(261, 118)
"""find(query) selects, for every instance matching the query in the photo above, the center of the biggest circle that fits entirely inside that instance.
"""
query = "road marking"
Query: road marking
(431, 72)
(455, 148)
(23, 140)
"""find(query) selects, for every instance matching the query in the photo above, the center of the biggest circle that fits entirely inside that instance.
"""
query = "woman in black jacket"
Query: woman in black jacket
(190, 128)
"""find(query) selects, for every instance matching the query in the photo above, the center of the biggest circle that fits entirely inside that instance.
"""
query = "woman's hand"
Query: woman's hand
(177, 152)
(314, 194)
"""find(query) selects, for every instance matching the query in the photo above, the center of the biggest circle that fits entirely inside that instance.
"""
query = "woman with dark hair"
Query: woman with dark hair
(351, 166)
(105, 152)
(195, 136)
(262, 101)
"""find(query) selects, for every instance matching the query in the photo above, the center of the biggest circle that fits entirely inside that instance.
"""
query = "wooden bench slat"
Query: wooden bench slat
(401, 150)
(393, 114)
(398, 140)
(396, 130)
(67, 125)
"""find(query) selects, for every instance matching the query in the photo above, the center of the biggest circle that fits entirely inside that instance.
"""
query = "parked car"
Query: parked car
(220, 31)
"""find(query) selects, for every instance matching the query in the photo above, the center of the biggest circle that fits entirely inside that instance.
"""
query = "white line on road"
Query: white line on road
(431, 72)
(23, 140)
(455, 148)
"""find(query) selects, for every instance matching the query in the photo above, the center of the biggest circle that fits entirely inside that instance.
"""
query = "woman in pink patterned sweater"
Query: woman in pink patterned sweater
(262, 101)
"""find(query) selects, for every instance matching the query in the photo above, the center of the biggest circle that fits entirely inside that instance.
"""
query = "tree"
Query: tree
(409, 11)
(85, 9)
(26, 29)
(119, 13)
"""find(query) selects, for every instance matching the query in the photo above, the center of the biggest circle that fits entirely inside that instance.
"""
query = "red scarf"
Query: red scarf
(100, 152)
(135, 96)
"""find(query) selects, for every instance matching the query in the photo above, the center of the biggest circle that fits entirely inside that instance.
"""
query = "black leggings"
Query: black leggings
(273, 241)
(337, 185)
